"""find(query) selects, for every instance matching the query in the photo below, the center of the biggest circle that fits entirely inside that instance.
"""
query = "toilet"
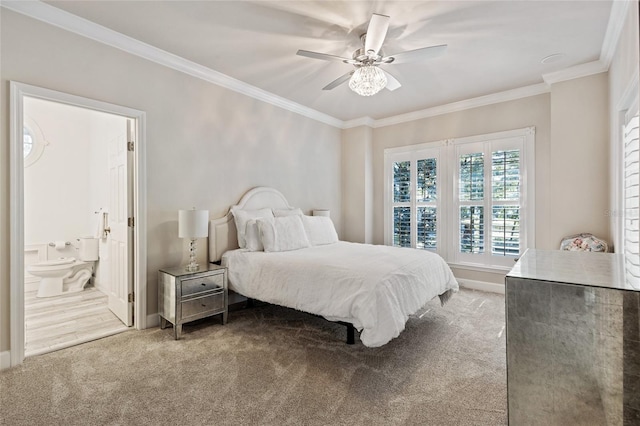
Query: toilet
(66, 274)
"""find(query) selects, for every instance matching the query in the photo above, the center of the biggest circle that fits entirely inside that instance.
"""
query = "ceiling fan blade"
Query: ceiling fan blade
(323, 56)
(416, 55)
(392, 82)
(338, 81)
(376, 32)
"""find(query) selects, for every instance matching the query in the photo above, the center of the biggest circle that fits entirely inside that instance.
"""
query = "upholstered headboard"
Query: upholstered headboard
(222, 231)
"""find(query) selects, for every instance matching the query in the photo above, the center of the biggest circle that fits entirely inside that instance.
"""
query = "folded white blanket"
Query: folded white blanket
(376, 288)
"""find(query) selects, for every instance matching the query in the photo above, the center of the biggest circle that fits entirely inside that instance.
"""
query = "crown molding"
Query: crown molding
(494, 98)
(578, 71)
(83, 27)
(617, 18)
(357, 122)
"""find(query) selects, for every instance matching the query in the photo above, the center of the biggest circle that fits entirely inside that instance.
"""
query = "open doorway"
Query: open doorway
(77, 190)
(71, 196)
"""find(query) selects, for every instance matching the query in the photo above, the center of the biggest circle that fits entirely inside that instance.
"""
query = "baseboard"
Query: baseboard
(482, 286)
(5, 360)
(153, 320)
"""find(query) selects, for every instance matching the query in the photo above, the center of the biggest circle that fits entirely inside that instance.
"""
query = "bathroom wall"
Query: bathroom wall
(57, 185)
(68, 184)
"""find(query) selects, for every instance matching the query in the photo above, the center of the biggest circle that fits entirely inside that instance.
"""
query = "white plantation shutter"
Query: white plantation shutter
(505, 190)
(426, 203)
(631, 204)
(469, 199)
(402, 203)
(414, 199)
(489, 201)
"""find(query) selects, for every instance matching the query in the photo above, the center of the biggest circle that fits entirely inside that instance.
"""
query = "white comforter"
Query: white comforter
(373, 287)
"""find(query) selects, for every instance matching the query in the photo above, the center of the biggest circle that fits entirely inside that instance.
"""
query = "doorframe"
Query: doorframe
(16, 205)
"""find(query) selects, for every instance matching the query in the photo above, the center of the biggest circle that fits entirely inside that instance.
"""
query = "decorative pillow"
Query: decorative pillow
(320, 230)
(584, 242)
(241, 218)
(287, 212)
(282, 233)
(252, 236)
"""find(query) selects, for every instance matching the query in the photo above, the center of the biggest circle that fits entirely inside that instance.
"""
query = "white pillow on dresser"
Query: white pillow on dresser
(320, 230)
(241, 217)
(282, 233)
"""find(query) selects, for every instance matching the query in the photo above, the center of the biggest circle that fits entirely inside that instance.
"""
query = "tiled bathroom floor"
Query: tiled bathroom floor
(58, 322)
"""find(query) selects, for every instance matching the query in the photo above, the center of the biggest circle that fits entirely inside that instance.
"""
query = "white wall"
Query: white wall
(206, 145)
(57, 186)
(579, 167)
(357, 186)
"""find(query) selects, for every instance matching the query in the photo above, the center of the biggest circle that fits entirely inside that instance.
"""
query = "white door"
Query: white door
(121, 235)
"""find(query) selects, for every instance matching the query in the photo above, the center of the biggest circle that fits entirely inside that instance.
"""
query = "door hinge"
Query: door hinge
(129, 146)
(131, 298)
(130, 222)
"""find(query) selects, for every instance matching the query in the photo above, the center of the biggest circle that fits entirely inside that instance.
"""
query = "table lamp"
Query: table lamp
(193, 224)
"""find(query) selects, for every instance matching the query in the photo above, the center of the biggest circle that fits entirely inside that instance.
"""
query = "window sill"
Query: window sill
(481, 268)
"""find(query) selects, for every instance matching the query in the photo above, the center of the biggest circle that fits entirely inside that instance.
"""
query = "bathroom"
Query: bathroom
(67, 201)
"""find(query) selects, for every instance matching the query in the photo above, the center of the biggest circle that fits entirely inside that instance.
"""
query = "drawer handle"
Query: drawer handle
(203, 284)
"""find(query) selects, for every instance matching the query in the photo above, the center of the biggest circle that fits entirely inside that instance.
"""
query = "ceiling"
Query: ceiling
(493, 46)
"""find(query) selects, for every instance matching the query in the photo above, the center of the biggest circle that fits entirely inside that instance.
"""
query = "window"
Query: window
(33, 142)
(469, 199)
(28, 141)
(414, 206)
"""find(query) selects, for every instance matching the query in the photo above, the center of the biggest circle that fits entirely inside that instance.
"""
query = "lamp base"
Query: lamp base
(192, 266)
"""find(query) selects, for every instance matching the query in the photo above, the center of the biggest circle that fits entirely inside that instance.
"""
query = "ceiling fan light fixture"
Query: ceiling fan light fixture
(367, 80)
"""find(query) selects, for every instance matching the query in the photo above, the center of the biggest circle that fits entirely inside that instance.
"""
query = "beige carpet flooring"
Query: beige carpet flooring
(274, 366)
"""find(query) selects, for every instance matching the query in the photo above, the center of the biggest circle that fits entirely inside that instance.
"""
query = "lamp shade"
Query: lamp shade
(193, 223)
(326, 213)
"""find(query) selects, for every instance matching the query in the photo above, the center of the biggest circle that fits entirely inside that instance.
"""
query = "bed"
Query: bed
(371, 288)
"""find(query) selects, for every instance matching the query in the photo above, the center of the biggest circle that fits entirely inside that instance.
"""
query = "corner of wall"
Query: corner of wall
(153, 320)
(5, 360)
(357, 184)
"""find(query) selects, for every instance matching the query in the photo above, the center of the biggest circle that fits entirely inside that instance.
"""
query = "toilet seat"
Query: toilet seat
(54, 265)
(55, 262)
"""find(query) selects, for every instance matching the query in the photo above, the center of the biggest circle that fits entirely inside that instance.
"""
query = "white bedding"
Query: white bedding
(376, 288)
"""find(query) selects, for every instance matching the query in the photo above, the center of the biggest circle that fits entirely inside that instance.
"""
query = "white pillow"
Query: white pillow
(287, 212)
(283, 233)
(320, 230)
(241, 218)
(252, 236)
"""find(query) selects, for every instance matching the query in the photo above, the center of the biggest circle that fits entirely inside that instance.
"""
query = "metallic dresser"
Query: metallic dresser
(573, 340)
(187, 296)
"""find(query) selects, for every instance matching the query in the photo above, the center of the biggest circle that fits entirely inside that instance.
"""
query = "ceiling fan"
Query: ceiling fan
(367, 78)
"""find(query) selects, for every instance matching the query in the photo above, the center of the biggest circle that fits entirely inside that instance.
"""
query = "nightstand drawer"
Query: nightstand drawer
(202, 284)
(202, 305)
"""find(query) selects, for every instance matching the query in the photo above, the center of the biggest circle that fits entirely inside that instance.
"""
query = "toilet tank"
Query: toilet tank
(88, 249)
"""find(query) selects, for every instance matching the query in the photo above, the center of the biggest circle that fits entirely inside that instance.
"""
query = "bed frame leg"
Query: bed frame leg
(350, 334)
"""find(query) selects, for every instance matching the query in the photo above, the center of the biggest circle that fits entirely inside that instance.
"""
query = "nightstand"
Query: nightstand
(185, 296)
